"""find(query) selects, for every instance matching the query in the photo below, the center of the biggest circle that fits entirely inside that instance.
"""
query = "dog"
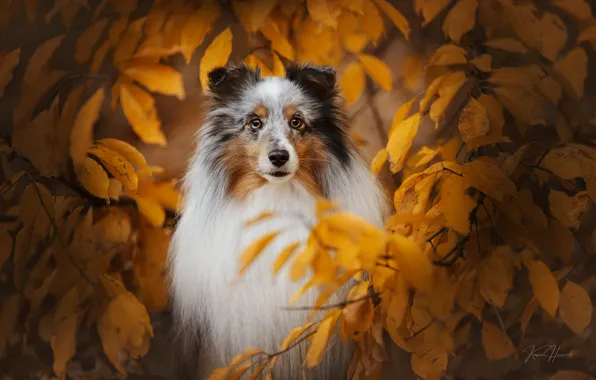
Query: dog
(271, 144)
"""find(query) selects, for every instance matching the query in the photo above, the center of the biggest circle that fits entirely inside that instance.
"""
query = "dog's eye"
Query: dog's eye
(296, 123)
(255, 124)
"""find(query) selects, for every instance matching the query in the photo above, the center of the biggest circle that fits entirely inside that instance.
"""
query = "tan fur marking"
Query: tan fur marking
(261, 111)
(311, 157)
(289, 112)
(240, 161)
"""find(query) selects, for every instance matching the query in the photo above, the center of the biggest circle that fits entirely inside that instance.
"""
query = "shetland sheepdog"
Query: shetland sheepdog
(268, 144)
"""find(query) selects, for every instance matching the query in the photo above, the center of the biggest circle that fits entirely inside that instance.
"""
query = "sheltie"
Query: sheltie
(268, 144)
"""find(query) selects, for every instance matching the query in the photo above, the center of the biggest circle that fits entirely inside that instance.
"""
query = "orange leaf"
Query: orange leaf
(497, 345)
(139, 109)
(321, 337)
(251, 253)
(352, 82)
(215, 55)
(158, 78)
(544, 283)
(7, 64)
(473, 121)
(401, 140)
(377, 70)
(87, 40)
(460, 19)
(575, 307)
(81, 135)
(93, 178)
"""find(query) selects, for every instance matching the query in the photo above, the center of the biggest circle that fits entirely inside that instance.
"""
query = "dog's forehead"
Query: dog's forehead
(274, 93)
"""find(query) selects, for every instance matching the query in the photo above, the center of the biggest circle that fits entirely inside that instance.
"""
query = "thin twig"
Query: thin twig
(340, 305)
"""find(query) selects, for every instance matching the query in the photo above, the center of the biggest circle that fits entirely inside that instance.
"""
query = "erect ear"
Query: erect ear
(318, 80)
(226, 82)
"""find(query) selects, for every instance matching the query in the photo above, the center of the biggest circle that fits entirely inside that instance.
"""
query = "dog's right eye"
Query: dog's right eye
(255, 124)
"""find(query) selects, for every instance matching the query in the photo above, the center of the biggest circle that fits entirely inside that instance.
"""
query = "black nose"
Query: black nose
(278, 157)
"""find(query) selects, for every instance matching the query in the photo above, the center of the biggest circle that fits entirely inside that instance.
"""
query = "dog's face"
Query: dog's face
(275, 129)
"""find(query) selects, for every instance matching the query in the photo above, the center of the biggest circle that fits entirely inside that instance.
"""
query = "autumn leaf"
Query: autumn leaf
(473, 121)
(570, 375)
(507, 44)
(494, 110)
(545, 286)
(487, 177)
(63, 343)
(352, 82)
(568, 209)
(430, 9)
(158, 78)
(198, 26)
(455, 204)
(251, 252)
(413, 264)
(483, 63)
(116, 165)
(575, 307)
(379, 161)
(497, 345)
(401, 140)
(129, 152)
(129, 41)
(216, 55)
(81, 135)
(395, 16)
(400, 115)
(279, 42)
(574, 68)
(139, 109)
(460, 19)
(8, 62)
(253, 15)
(431, 364)
(377, 70)
(87, 40)
(39, 60)
(320, 338)
(94, 178)
(284, 256)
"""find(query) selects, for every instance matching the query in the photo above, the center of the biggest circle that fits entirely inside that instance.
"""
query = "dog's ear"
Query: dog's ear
(318, 80)
(228, 82)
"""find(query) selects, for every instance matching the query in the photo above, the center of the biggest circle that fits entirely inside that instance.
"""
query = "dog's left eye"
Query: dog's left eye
(255, 124)
(296, 123)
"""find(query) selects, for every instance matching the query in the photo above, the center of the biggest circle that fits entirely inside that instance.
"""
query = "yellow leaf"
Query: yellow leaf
(294, 334)
(128, 151)
(399, 301)
(575, 307)
(508, 44)
(430, 9)
(254, 14)
(543, 31)
(497, 345)
(401, 140)
(447, 90)
(9, 314)
(469, 298)
(371, 21)
(525, 105)
(94, 178)
(430, 364)
(352, 82)
(279, 69)
(483, 63)
(7, 64)
(139, 109)
(400, 115)
(323, 12)
(157, 78)
(494, 110)
(574, 68)
(151, 210)
(284, 256)
(587, 34)
(570, 374)
(215, 55)
(197, 26)
(395, 16)
(355, 42)
(377, 70)
(448, 54)
(527, 314)
(81, 135)
(473, 121)
(378, 161)
(568, 209)
(544, 283)
(116, 30)
(87, 40)
(487, 177)
(455, 204)
(580, 10)
(254, 249)
(40, 58)
(565, 162)
(460, 19)
(279, 42)
(422, 157)
(129, 41)
(528, 76)
(416, 268)
(116, 165)
(63, 343)
(481, 141)
(255, 63)
(495, 276)
(320, 338)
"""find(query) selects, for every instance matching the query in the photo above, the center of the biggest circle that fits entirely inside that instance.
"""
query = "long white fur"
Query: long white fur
(211, 235)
